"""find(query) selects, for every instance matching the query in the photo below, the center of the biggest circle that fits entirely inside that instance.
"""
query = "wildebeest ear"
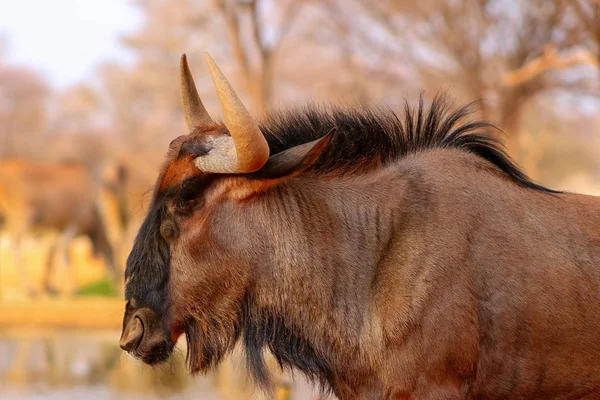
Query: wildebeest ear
(294, 160)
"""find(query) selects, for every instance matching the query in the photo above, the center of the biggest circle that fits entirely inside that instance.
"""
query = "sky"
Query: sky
(66, 40)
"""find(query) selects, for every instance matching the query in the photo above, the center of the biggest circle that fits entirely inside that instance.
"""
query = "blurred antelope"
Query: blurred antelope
(65, 197)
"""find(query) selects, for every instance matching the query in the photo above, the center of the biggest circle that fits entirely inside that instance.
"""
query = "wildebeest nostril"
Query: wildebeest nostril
(132, 335)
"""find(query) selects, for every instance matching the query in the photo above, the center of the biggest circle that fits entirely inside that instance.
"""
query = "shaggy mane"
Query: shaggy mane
(367, 138)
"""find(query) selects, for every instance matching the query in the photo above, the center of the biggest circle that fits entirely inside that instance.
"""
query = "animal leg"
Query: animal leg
(22, 268)
(67, 262)
(62, 244)
(49, 270)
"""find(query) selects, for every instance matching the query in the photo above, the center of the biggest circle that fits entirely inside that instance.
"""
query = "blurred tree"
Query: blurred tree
(588, 12)
(23, 110)
(471, 46)
(78, 110)
(586, 49)
(258, 41)
(550, 59)
(144, 98)
(126, 104)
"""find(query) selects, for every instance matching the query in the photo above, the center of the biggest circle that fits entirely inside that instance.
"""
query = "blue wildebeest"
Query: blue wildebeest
(66, 197)
(384, 257)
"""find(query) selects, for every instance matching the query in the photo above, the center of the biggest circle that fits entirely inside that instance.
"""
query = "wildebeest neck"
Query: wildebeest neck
(315, 296)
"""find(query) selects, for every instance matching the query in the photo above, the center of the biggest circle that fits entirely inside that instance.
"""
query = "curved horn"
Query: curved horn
(193, 110)
(251, 150)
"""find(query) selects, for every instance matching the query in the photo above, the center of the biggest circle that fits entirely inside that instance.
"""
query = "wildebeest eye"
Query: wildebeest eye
(168, 230)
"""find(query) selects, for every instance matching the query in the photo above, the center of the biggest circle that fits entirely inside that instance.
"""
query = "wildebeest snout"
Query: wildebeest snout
(132, 334)
(145, 337)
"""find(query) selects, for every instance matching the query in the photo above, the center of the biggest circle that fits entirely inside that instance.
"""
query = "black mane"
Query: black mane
(367, 137)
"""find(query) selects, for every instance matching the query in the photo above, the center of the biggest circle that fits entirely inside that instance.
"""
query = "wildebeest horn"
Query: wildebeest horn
(193, 110)
(248, 150)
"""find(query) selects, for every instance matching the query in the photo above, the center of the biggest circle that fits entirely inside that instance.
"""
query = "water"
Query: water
(78, 364)
(71, 364)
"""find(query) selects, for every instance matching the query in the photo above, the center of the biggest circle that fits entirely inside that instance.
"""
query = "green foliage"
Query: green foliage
(102, 287)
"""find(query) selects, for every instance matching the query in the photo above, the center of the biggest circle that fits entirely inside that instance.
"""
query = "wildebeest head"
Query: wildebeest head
(200, 235)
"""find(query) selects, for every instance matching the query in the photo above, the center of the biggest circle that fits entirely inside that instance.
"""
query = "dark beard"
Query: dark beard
(208, 341)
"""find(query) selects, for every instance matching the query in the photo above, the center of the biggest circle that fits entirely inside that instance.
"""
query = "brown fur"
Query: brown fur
(437, 275)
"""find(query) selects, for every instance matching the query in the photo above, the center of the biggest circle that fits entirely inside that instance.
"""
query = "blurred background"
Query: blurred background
(89, 100)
